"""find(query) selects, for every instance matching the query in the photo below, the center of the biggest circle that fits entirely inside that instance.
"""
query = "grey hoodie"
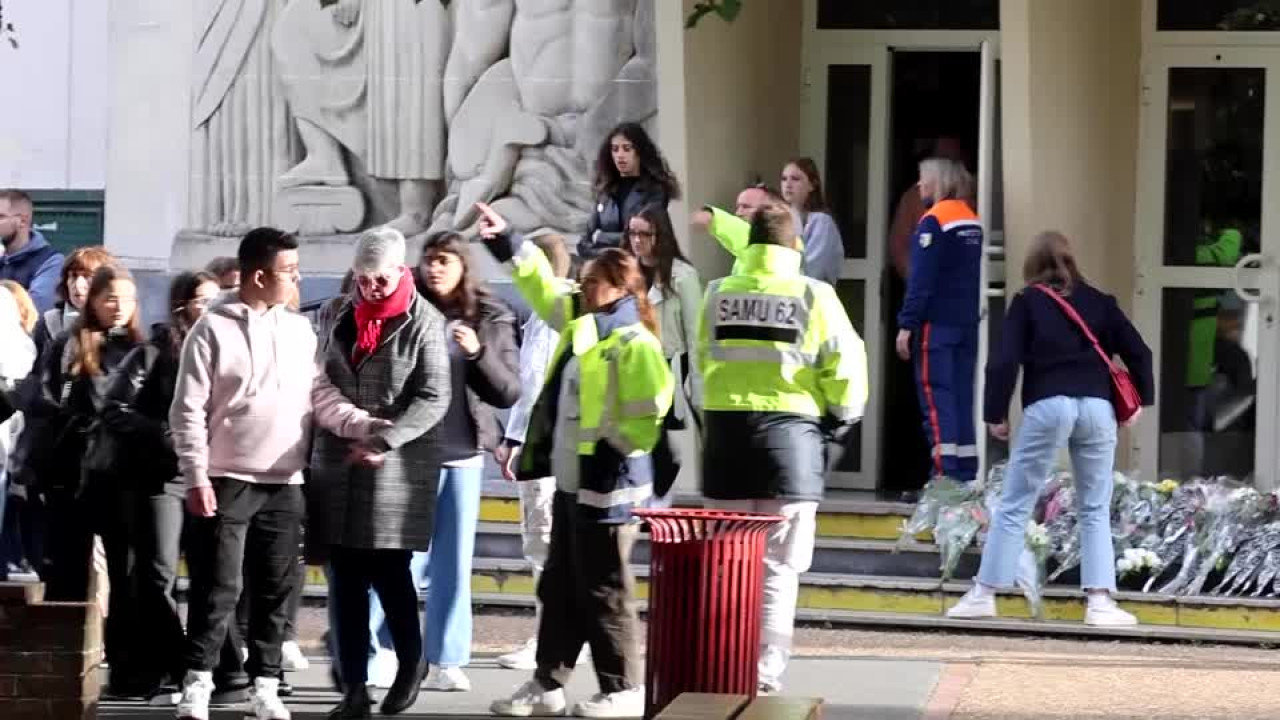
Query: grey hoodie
(248, 388)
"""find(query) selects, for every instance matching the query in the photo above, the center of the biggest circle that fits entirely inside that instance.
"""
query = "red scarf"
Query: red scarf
(371, 316)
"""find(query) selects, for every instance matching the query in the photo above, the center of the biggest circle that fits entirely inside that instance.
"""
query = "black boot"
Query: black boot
(404, 691)
(355, 704)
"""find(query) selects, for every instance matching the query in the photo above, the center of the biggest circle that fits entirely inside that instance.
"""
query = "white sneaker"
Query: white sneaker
(1102, 611)
(382, 669)
(291, 657)
(265, 702)
(526, 658)
(976, 603)
(446, 679)
(530, 699)
(197, 687)
(623, 704)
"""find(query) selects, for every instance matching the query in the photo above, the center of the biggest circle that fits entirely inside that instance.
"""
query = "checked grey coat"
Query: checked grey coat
(405, 380)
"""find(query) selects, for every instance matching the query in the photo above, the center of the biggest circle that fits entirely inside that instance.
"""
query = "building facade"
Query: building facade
(1145, 130)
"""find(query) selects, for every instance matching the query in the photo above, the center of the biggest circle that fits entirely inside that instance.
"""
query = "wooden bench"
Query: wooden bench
(705, 706)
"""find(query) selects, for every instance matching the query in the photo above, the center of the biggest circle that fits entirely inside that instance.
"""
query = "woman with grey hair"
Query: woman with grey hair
(938, 323)
(371, 504)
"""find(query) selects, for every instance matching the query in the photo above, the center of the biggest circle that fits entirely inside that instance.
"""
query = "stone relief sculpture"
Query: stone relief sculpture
(367, 76)
(524, 127)
(326, 118)
(242, 132)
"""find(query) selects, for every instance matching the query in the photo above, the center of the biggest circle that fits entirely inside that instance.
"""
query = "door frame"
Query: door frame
(1153, 276)
(873, 48)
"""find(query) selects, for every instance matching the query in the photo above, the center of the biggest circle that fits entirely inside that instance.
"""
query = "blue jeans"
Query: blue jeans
(446, 570)
(1087, 427)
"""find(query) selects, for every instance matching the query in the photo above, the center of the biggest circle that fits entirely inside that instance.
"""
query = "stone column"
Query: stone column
(148, 156)
(1071, 91)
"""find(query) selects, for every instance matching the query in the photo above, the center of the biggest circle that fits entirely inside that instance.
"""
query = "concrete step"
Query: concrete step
(838, 517)
(502, 541)
(919, 602)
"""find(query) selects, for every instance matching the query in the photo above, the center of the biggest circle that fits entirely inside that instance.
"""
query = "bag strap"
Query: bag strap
(1079, 321)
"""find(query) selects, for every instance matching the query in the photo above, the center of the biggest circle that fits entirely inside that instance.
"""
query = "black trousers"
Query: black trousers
(105, 508)
(587, 592)
(267, 520)
(200, 543)
(158, 543)
(295, 599)
(354, 571)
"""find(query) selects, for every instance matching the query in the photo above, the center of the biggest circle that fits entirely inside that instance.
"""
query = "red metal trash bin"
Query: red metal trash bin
(706, 584)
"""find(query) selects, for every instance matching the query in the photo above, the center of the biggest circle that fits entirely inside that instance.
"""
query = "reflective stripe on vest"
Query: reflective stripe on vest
(759, 318)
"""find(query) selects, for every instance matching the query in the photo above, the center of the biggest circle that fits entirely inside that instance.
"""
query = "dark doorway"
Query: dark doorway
(932, 95)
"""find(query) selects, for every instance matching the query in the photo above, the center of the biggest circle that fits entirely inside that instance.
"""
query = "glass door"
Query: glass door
(844, 110)
(1207, 281)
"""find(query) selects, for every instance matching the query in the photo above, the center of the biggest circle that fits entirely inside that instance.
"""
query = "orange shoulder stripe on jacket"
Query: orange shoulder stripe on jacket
(949, 211)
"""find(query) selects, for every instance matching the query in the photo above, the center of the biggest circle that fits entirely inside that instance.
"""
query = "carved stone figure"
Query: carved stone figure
(368, 77)
(242, 133)
(523, 128)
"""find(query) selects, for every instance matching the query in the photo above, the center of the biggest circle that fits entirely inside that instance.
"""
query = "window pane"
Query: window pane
(908, 14)
(1208, 369)
(1213, 171)
(848, 152)
(1217, 15)
(853, 294)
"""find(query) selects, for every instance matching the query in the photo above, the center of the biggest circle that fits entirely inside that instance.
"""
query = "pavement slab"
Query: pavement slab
(853, 690)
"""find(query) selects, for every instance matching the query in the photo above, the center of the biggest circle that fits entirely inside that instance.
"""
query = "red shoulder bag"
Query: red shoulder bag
(1124, 395)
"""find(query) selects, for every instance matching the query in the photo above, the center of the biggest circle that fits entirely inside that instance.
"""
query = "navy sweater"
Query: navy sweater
(1054, 355)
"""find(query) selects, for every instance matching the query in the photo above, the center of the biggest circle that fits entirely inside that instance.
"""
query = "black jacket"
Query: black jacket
(135, 409)
(493, 376)
(609, 218)
(763, 456)
(1054, 356)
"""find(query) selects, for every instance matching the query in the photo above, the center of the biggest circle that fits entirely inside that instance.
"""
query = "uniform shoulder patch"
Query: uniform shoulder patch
(926, 239)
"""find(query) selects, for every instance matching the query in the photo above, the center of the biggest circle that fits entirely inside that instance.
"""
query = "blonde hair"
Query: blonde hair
(950, 178)
(28, 316)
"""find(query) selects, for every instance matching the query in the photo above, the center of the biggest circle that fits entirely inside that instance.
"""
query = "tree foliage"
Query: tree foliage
(726, 10)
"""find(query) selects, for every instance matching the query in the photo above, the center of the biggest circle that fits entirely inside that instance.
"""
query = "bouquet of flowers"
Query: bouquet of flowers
(939, 493)
(1032, 566)
(957, 526)
(1247, 562)
(1136, 562)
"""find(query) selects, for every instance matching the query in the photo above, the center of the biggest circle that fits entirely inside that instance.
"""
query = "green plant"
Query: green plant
(727, 10)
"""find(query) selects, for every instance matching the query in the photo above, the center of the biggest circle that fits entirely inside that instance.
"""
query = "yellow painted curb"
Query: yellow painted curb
(499, 510)
(1230, 617)
(870, 600)
(862, 527)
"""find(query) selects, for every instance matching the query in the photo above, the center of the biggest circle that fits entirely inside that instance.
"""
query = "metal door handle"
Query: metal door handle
(1251, 259)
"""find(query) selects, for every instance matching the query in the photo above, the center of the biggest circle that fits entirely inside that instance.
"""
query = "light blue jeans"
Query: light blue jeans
(445, 570)
(1087, 427)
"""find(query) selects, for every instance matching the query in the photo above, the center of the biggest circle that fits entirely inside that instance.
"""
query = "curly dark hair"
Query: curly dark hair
(653, 167)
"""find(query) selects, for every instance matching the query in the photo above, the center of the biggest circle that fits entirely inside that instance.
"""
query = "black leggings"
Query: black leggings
(354, 571)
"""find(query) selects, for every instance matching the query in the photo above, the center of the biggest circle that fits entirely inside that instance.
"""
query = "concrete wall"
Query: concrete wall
(1071, 91)
(741, 107)
(53, 132)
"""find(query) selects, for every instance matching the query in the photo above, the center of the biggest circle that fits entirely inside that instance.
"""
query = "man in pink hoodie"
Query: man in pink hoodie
(248, 390)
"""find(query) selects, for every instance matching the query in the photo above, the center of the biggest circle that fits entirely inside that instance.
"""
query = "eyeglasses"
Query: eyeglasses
(379, 281)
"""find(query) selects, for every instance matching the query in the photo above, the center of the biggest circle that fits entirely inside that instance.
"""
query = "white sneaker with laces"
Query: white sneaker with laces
(623, 704)
(446, 679)
(1102, 611)
(382, 669)
(265, 702)
(525, 658)
(977, 603)
(291, 657)
(197, 687)
(530, 699)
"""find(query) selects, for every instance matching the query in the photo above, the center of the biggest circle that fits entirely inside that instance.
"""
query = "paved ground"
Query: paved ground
(909, 676)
